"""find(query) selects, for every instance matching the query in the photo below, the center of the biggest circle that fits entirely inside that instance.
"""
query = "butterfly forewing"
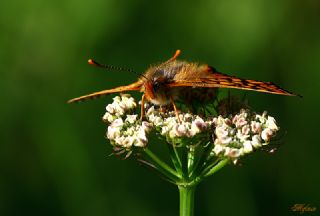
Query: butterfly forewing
(220, 80)
(132, 87)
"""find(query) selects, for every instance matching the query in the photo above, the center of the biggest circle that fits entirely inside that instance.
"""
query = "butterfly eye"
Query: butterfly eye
(156, 86)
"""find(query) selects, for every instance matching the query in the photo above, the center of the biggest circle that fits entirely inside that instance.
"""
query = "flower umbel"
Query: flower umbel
(242, 133)
(230, 137)
(124, 130)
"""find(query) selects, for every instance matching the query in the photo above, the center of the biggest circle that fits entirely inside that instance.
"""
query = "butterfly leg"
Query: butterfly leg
(142, 107)
(175, 109)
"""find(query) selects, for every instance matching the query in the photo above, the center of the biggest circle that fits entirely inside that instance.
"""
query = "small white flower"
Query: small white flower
(127, 142)
(247, 147)
(142, 139)
(157, 121)
(256, 141)
(218, 149)
(116, 99)
(108, 117)
(117, 123)
(242, 137)
(119, 140)
(129, 102)
(271, 123)
(172, 134)
(113, 132)
(131, 118)
(164, 130)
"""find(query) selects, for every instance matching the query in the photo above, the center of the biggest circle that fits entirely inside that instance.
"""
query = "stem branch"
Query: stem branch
(163, 167)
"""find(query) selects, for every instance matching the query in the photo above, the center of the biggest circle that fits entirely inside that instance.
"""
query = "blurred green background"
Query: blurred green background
(54, 157)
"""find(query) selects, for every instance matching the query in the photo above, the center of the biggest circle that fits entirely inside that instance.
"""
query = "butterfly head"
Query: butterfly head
(155, 91)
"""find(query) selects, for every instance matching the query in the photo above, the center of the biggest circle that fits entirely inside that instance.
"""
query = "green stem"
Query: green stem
(175, 159)
(163, 167)
(186, 195)
(190, 161)
(216, 168)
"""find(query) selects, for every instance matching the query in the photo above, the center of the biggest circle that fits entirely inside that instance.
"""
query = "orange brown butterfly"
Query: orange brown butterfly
(164, 83)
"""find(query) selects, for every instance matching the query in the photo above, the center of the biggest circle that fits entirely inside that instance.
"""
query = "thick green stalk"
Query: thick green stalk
(186, 195)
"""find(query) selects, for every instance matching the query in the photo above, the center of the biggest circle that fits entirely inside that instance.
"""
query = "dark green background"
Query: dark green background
(54, 157)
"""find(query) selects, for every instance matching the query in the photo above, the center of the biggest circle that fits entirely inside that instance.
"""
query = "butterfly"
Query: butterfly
(173, 79)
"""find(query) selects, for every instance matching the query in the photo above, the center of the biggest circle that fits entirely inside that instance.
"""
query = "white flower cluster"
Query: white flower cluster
(125, 130)
(169, 126)
(233, 137)
(242, 133)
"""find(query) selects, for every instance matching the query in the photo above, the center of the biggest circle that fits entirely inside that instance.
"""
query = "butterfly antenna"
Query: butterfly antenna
(111, 67)
(175, 56)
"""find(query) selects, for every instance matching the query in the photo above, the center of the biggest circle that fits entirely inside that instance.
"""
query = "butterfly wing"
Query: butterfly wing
(132, 87)
(214, 79)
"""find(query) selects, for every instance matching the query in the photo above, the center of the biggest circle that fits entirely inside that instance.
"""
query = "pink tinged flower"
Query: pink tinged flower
(223, 140)
(245, 129)
(235, 119)
(267, 134)
(146, 126)
(199, 124)
(110, 109)
(232, 152)
(241, 122)
(247, 147)
(255, 127)
(256, 141)
(221, 132)
(180, 130)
